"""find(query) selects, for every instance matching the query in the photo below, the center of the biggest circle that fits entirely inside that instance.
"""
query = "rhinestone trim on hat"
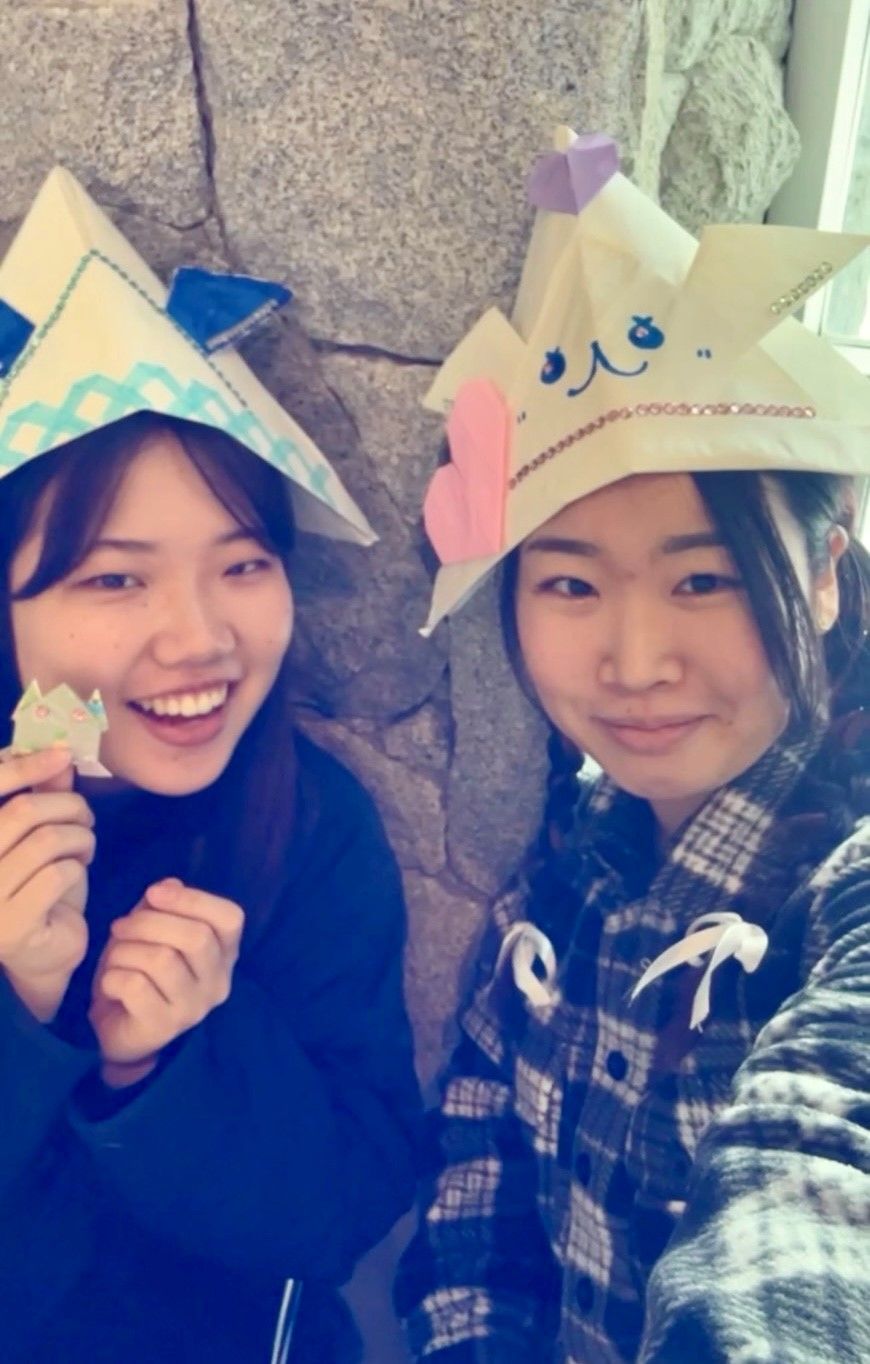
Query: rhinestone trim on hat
(808, 285)
(617, 414)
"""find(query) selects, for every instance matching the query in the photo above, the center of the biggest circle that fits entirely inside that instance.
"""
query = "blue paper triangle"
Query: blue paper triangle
(217, 310)
(15, 332)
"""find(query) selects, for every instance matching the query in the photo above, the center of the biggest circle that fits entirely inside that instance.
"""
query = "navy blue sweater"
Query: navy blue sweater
(274, 1141)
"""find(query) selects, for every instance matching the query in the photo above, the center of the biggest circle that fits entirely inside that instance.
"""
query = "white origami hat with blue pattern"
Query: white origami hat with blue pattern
(89, 334)
(633, 349)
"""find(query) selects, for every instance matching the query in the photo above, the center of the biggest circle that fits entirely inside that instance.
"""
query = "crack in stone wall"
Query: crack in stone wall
(366, 352)
(209, 149)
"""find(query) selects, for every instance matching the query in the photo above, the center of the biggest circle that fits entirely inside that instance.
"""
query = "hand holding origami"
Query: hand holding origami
(46, 845)
(168, 963)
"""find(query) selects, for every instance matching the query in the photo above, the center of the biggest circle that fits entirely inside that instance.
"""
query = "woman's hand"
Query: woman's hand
(46, 845)
(167, 964)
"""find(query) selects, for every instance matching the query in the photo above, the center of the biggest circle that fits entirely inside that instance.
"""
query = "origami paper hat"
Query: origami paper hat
(88, 334)
(633, 349)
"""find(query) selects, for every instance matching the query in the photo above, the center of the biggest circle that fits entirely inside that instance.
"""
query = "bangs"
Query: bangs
(253, 492)
(70, 492)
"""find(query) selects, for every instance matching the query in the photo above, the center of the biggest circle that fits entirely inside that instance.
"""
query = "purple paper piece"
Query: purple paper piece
(565, 182)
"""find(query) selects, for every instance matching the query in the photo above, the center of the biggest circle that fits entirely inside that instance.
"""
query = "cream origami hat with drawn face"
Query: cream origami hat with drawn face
(89, 334)
(633, 349)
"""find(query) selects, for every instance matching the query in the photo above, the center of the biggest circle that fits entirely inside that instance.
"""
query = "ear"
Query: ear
(826, 587)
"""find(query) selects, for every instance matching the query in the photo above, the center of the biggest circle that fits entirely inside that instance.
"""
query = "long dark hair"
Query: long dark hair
(240, 851)
(828, 674)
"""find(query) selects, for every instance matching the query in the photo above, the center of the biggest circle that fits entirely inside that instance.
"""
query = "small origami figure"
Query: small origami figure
(60, 716)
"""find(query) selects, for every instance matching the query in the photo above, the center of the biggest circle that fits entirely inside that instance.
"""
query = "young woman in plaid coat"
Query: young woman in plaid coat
(653, 1141)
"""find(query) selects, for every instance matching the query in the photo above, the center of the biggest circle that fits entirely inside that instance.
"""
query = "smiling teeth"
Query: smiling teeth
(187, 704)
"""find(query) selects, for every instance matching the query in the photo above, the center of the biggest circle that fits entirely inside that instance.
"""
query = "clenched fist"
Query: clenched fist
(167, 964)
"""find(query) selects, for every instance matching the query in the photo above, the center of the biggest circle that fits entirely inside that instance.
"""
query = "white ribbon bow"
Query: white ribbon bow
(727, 936)
(525, 944)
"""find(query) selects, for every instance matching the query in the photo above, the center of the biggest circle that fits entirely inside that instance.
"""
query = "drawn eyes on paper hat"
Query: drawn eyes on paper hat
(643, 334)
(554, 366)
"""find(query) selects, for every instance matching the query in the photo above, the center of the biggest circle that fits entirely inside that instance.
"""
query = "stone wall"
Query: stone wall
(372, 155)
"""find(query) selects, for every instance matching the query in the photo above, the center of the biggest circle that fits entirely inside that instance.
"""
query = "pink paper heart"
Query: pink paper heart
(465, 502)
(565, 182)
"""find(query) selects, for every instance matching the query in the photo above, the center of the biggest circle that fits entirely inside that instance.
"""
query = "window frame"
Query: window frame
(827, 66)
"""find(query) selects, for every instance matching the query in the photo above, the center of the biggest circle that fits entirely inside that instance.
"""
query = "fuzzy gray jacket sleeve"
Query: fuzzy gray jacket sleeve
(771, 1261)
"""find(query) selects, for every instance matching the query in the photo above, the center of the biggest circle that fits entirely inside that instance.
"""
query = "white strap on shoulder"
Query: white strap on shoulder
(525, 944)
(722, 935)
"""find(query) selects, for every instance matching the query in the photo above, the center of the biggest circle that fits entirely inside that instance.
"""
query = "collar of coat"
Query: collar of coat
(727, 856)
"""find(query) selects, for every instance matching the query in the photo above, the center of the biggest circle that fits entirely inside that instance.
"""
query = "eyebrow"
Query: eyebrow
(230, 537)
(674, 544)
(703, 539)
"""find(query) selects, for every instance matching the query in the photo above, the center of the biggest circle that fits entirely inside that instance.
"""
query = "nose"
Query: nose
(191, 630)
(639, 650)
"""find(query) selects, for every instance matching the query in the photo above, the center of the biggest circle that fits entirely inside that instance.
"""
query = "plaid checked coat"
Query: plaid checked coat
(609, 1186)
